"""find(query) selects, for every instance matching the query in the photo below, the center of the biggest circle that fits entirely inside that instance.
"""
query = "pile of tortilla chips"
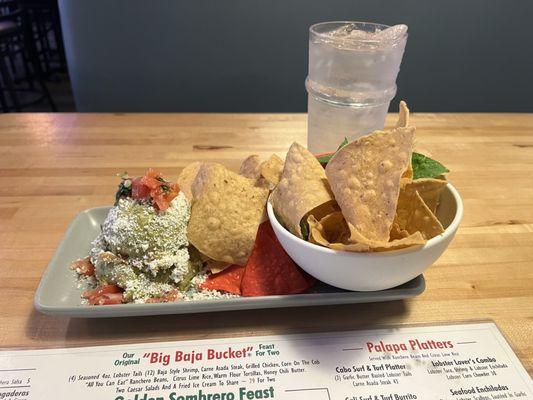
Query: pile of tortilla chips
(228, 226)
(227, 208)
(366, 199)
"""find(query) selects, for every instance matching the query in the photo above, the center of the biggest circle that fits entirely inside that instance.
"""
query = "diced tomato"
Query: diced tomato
(105, 299)
(83, 266)
(152, 178)
(105, 294)
(164, 194)
(139, 191)
(101, 290)
(152, 185)
(167, 298)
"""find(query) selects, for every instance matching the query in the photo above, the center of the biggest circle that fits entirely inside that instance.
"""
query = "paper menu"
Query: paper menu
(467, 361)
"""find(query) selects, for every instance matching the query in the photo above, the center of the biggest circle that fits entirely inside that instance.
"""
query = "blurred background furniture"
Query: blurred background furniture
(251, 56)
(43, 17)
(31, 52)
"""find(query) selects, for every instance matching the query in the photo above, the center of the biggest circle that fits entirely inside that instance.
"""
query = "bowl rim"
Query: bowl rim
(449, 231)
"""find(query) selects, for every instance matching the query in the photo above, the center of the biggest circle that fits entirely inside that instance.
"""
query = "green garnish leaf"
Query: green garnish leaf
(425, 167)
(325, 159)
(304, 227)
(344, 143)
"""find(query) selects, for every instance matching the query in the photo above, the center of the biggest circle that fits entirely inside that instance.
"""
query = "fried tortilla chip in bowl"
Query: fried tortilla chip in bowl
(371, 216)
(379, 270)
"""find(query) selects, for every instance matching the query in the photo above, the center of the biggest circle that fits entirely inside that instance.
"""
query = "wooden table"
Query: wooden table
(54, 165)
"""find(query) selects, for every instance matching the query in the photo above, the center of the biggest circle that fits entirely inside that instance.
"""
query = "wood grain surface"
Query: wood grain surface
(54, 165)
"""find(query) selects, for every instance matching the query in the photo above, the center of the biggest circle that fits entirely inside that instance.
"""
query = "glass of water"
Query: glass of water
(352, 79)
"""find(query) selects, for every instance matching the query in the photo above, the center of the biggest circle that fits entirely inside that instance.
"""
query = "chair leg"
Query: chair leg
(46, 93)
(47, 49)
(43, 50)
(33, 55)
(26, 67)
(8, 81)
(3, 101)
(10, 61)
(58, 38)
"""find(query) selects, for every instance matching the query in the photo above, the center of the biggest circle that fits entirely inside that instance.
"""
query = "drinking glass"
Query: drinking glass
(352, 79)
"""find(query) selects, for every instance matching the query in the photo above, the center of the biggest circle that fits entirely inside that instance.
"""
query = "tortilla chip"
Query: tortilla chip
(225, 214)
(186, 178)
(332, 231)
(316, 232)
(365, 178)
(251, 167)
(413, 215)
(403, 122)
(324, 210)
(430, 191)
(403, 116)
(405, 179)
(416, 239)
(215, 266)
(397, 233)
(303, 187)
(272, 169)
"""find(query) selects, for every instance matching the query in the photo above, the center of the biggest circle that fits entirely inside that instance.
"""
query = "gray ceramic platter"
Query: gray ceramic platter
(58, 293)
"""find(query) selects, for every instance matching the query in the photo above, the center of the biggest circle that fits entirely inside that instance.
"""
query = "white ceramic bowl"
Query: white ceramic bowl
(372, 271)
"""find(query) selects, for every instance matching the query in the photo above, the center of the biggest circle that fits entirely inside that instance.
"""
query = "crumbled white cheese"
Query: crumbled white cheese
(86, 282)
(98, 246)
(138, 244)
(152, 240)
(133, 224)
(141, 289)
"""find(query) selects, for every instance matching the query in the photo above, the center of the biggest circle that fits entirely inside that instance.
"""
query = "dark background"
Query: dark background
(251, 56)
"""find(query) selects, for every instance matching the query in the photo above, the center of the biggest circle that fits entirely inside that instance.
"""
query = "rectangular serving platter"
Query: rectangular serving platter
(59, 295)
